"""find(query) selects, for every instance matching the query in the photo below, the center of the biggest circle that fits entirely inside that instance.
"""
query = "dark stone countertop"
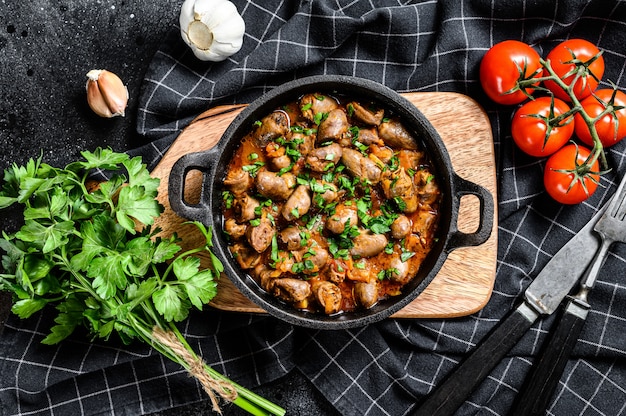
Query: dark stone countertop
(47, 47)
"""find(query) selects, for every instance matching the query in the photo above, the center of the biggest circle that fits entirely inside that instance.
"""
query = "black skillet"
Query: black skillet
(213, 163)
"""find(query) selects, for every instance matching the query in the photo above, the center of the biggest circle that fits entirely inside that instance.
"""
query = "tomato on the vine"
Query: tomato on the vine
(578, 62)
(567, 176)
(611, 127)
(503, 66)
(537, 127)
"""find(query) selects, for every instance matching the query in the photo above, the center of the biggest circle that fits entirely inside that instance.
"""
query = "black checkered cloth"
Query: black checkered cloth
(384, 368)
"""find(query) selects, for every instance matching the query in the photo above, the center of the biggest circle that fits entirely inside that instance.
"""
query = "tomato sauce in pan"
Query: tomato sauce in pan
(330, 204)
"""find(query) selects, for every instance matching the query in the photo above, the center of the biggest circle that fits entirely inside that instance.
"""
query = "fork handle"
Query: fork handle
(540, 385)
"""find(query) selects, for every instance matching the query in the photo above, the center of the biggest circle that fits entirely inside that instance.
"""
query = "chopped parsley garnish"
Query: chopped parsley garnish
(228, 198)
(254, 168)
(319, 117)
(339, 245)
(350, 109)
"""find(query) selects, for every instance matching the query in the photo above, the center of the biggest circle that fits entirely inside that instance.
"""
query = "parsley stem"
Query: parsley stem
(246, 399)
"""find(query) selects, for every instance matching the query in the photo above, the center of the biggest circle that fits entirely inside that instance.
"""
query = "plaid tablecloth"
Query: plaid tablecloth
(386, 368)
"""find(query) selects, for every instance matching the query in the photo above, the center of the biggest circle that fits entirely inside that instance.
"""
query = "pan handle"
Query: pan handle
(460, 239)
(200, 161)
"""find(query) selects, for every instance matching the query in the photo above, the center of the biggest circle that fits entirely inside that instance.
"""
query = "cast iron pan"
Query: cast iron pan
(213, 163)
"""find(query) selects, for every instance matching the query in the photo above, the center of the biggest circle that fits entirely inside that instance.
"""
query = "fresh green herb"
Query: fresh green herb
(228, 198)
(302, 130)
(379, 224)
(94, 255)
(312, 221)
(264, 201)
(387, 273)
(319, 117)
(319, 187)
(306, 107)
(347, 184)
(286, 169)
(297, 268)
(340, 244)
(309, 265)
(330, 208)
(291, 147)
(405, 255)
(394, 162)
(354, 132)
(389, 248)
(400, 203)
(304, 238)
(274, 252)
(350, 109)
(255, 222)
(254, 168)
(329, 166)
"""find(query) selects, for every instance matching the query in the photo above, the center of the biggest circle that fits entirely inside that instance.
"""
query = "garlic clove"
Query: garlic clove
(107, 95)
(187, 16)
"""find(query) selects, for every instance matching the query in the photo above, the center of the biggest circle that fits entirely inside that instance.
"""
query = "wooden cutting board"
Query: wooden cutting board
(465, 282)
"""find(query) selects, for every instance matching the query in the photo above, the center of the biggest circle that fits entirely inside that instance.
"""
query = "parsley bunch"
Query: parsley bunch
(93, 255)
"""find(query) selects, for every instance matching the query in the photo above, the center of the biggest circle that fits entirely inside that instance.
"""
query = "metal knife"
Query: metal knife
(542, 297)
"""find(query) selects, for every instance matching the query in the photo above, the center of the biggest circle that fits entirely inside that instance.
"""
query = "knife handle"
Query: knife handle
(455, 389)
(539, 386)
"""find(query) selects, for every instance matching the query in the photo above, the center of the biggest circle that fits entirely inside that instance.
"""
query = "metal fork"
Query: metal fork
(540, 385)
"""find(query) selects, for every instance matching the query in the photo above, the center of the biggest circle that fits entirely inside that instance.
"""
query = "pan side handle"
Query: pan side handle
(202, 162)
(486, 207)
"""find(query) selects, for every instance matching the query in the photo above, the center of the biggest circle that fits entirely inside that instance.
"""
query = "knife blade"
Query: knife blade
(542, 297)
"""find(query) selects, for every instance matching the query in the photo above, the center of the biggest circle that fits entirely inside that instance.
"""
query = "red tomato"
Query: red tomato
(536, 128)
(611, 127)
(575, 56)
(505, 64)
(565, 177)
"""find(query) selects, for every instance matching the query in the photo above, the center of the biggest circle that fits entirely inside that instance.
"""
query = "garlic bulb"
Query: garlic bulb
(212, 28)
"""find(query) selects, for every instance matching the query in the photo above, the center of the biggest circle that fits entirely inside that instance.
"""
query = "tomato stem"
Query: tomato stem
(598, 149)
